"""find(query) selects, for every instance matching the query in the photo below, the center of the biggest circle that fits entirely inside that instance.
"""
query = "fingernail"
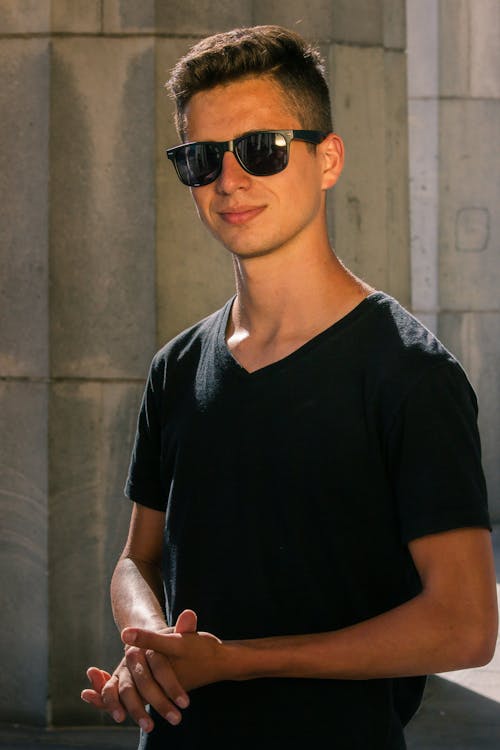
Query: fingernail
(117, 715)
(182, 702)
(173, 718)
(145, 725)
(84, 699)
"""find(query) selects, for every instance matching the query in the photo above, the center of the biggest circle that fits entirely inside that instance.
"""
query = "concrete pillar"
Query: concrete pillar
(96, 201)
(454, 89)
(102, 334)
(24, 170)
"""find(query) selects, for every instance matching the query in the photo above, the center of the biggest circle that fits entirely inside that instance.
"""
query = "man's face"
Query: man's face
(251, 215)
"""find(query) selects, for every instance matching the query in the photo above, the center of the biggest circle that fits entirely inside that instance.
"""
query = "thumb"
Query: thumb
(164, 643)
(186, 622)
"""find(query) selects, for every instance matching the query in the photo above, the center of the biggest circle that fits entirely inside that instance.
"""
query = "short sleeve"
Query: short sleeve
(435, 456)
(143, 484)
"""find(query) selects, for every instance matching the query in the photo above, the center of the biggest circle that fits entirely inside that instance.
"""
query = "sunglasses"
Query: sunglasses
(262, 153)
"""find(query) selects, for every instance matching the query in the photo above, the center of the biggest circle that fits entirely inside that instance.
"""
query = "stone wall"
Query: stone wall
(454, 121)
(103, 260)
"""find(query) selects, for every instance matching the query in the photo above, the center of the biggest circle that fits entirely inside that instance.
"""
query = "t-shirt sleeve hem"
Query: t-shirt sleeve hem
(440, 525)
(144, 496)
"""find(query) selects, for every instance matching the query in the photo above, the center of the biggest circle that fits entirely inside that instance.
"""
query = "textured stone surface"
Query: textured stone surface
(423, 133)
(120, 16)
(23, 552)
(24, 16)
(77, 16)
(102, 207)
(314, 20)
(394, 24)
(396, 176)
(24, 175)
(358, 21)
(359, 199)
(201, 17)
(473, 338)
(454, 47)
(422, 23)
(485, 48)
(194, 272)
(469, 192)
(92, 429)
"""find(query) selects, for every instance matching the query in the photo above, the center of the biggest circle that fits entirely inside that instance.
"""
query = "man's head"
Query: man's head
(264, 51)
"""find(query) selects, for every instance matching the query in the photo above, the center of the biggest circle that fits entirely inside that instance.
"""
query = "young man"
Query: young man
(306, 475)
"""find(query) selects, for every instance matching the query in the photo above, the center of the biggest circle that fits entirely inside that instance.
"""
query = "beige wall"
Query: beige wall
(103, 259)
(454, 121)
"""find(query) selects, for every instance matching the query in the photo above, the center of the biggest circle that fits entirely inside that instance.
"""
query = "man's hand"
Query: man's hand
(142, 677)
(196, 657)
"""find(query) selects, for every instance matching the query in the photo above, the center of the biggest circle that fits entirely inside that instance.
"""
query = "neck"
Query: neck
(300, 290)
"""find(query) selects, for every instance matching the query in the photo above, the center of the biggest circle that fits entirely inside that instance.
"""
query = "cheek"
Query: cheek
(199, 203)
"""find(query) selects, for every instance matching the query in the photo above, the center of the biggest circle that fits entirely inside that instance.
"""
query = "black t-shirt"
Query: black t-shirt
(290, 495)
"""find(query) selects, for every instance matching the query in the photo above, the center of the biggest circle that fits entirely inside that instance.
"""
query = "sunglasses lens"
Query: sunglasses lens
(263, 153)
(198, 163)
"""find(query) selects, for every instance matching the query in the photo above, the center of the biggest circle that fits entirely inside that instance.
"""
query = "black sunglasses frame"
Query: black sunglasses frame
(176, 152)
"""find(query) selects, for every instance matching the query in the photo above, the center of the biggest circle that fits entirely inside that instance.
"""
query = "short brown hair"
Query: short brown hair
(283, 55)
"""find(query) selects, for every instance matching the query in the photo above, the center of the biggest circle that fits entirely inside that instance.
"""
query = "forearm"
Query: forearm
(137, 595)
(419, 637)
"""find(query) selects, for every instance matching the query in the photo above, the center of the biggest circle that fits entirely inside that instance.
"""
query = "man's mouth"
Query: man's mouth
(240, 214)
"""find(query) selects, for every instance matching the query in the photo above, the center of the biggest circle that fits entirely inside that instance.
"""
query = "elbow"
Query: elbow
(479, 644)
(485, 650)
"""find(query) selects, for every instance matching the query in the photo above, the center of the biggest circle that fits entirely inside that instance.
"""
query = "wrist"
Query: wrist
(251, 659)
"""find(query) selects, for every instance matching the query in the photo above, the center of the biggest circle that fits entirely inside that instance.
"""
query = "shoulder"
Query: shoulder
(187, 345)
(398, 343)
(402, 356)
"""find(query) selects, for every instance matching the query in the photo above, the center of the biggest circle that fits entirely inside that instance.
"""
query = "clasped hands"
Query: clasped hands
(158, 669)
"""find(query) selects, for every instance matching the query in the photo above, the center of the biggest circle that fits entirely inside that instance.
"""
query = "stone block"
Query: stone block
(423, 130)
(469, 193)
(429, 320)
(394, 20)
(92, 429)
(396, 175)
(25, 16)
(102, 214)
(475, 339)
(119, 16)
(422, 23)
(202, 17)
(77, 16)
(485, 48)
(314, 21)
(358, 21)
(359, 200)
(23, 552)
(194, 272)
(24, 177)
(454, 47)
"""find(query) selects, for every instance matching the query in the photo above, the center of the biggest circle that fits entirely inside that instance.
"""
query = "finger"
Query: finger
(110, 697)
(186, 622)
(98, 678)
(166, 678)
(92, 697)
(164, 643)
(144, 689)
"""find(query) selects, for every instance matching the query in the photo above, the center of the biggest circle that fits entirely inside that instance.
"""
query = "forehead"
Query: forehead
(226, 111)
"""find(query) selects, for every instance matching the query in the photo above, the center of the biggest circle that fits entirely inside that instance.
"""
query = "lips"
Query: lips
(240, 214)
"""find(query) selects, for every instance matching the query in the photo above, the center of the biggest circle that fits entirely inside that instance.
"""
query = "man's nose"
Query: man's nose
(232, 176)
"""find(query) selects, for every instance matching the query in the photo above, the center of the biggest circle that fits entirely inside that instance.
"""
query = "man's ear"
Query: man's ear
(331, 151)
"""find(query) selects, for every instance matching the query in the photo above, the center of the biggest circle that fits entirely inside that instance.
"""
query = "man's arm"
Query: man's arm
(452, 624)
(136, 598)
